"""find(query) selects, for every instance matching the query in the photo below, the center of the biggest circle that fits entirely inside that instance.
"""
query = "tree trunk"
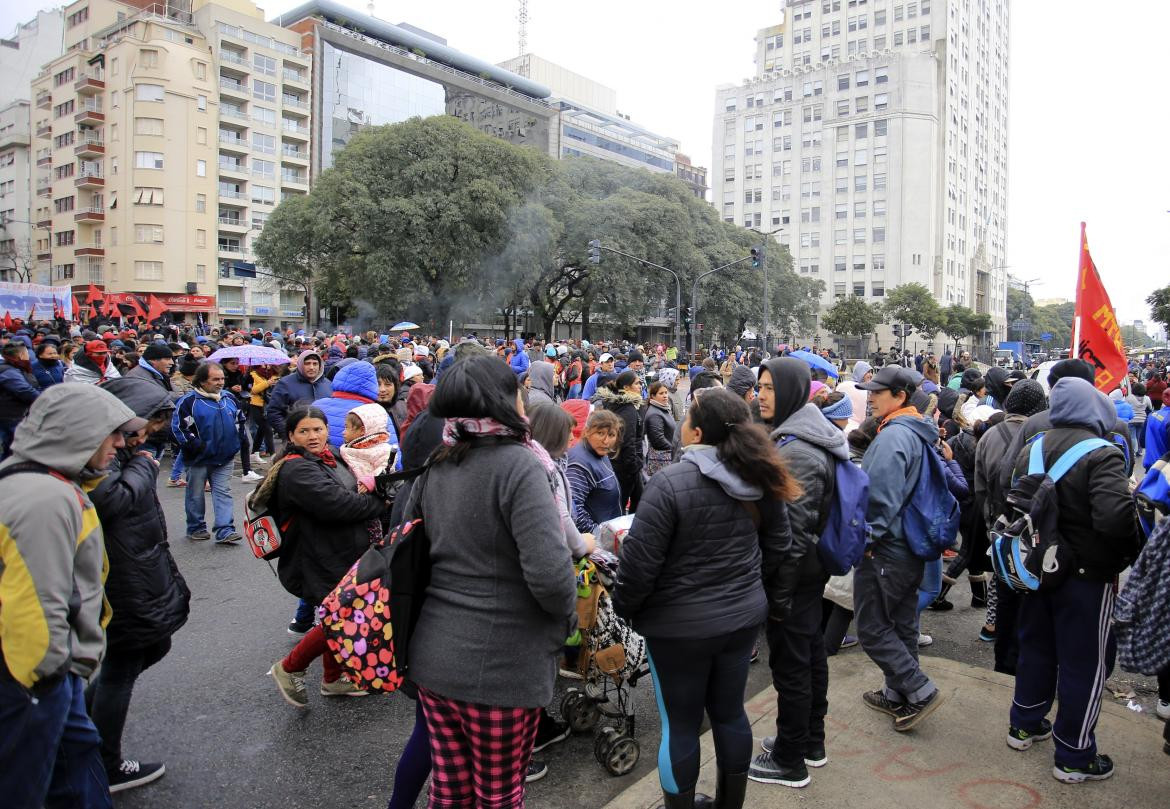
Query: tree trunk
(585, 322)
(548, 323)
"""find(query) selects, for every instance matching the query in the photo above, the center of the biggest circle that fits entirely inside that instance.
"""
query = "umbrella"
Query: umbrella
(405, 325)
(816, 361)
(251, 355)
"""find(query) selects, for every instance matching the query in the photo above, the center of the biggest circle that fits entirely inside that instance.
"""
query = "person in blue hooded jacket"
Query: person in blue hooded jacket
(306, 384)
(47, 367)
(354, 386)
(519, 360)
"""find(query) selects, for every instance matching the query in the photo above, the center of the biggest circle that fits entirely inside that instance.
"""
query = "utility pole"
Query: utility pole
(695, 294)
(595, 248)
(767, 299)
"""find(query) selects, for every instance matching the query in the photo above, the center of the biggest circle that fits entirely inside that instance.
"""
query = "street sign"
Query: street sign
(1021, 325)
(1046, 336)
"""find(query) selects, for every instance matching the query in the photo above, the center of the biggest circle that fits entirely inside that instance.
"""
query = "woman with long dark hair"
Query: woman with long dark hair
(501, 579)
(699, 567)
(622, 396)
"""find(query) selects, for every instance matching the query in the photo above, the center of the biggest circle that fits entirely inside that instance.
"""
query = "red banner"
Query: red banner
(1096, 333)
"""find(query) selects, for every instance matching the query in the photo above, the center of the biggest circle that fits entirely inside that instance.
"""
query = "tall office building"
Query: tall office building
(873, 141)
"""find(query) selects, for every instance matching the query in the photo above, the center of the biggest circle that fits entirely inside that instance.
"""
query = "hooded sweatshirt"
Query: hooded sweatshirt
(84, 369)
(355, 385)
(857, 397)
(542, 375)
(366, 455)
(52, 610)
(519, 360)
(297, 387)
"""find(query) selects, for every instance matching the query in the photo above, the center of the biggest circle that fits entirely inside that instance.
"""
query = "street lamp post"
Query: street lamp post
(695, 293)
(596, 245)
(767, 299)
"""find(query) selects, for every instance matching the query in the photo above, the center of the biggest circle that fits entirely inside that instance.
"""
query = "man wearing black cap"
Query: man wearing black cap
(886, 582)
(155, 366)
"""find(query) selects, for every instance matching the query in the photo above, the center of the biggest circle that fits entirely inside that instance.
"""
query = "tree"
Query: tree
(959, 322)
(17, 259)
(915, 306)
(1159, 301)
(851, 316)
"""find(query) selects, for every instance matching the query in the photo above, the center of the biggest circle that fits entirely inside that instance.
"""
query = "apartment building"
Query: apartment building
(872, 140)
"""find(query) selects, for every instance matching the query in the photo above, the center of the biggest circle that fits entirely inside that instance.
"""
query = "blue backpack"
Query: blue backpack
(1153, 495)
(845, 533)
(930, 519)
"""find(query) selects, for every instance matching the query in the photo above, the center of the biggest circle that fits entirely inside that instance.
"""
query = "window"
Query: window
(879, 235)
(839, 290)
(879, 17)
(148, 234)
(148, 271)
(201, 135)
(63, 205)
(859, 235)
(148, 160)
(148, 58)
(879, 207)
(148, 196)
(898, 13)
(148, 126)
(264, 115)
(862, 78)
(64, 238)
(861, 131)
(911, 36)
(200, 238)
(61, 172)
(843, 81)
(65, 108)
(879, 128)
(200, 203)
(148, 92)
(881, 75)
(839, 237)
(200, 168)
(859, 182)
(200, 69)
(860, 157)
(898, 38)
(862, 104)
(64, 77)
(841, 211)
(263, 90)
(880, 101)
(859, 210)
(842, 108)
(879, 264)
(879, 182)
(201, 103)
(77, 17)
(114, 96)
(263, 194)
(59, 142)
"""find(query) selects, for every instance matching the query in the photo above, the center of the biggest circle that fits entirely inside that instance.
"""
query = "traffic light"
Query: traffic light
(686, 316)
(757, 256)
(595, 251)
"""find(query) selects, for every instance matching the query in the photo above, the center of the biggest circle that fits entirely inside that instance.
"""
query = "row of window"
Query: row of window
(809, 89)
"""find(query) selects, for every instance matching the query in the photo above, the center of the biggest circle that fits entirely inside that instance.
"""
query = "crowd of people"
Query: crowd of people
(736, 470)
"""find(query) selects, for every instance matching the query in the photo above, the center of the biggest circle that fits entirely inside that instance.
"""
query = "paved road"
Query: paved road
(210, 712)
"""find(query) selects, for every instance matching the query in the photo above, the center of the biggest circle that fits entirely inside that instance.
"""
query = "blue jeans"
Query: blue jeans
(931, 584)
(178, 467)
(1137, 435)
(221, 499)
(49, 749)
(7, 432)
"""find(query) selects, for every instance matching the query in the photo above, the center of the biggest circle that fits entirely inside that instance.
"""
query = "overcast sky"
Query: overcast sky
(1088, 112)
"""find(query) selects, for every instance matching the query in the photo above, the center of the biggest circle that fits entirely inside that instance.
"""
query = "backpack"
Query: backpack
(371, 614)
(930, 518)
(263, 529)
(1141, 617)
(844, 533)
(1152, 496)
(1026, 550)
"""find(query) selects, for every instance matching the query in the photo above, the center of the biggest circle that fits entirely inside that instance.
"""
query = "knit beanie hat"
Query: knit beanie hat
(1071, 367)
(742, 380)
(839, 410)
(972, 380)
(1026, 399)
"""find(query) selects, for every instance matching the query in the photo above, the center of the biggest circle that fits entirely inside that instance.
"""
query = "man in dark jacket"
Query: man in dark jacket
(47, 367)
(306, 384)
(18, 390)
(885, 584)
(810, 447)
(155, 366)
(1065, 631)
(147, 594)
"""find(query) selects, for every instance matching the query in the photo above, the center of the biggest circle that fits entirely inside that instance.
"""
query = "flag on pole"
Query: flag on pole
(94, 294)
(157, 308)
(32, 313)
(76, 308)
(8, 321)
(1096, 333)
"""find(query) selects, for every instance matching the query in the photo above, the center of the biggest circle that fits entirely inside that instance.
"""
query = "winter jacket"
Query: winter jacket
(963, 447)
(1095, 512)
(502, 596)
(595, 489)
(660, 427)
(628, 407)
(52, 610)
(564, 500)
(694, 564)
(354, 386)
(893, 462)
(1118, 433)
(810, 446)
(260, 388)
(519, 361)
(294, 388)
(327, 521)
(1157, 437)
(18, 390)
(48, 374)
(990, 453)
(541, 374)
(240, 377)
(84, 370)
(209, 428)
(149, 598)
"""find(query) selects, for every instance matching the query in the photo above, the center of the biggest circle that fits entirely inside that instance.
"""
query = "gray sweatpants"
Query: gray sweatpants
(885, 598)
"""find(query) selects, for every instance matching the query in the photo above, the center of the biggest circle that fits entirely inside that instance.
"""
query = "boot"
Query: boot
(685, 800)
(978, 591)
(730, 790)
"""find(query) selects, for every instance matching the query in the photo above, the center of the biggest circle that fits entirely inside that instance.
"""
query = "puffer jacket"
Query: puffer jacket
(149, 598)
(694, 564)
(209, 428)
(18, 390)
(628, 407)
(293, 388)
(355, 385)
(660, 427)
(990, 453)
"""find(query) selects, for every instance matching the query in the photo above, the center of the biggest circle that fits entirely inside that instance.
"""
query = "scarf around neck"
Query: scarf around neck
(454, 429)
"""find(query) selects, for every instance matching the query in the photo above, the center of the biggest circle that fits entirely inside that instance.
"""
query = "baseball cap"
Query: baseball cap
(891, 377)
(607, 357)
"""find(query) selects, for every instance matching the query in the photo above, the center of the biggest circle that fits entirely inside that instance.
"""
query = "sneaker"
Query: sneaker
(536, 771)
(880, 702)
(251, 477)
(298, 628)
(1098, 770)
(766, 770)
(568, 673)
(987, 634)
(177, 484)
(849, 641)
(1020, 739)
(940, 604)
(199, 536)
(815, 754)
(911, 713)
(132, 774)
(257, 459)
(229, 539)
(291, 685)
(755, 658)
(341, 687)
(924, 639)
(549, 732)
(1162, 709)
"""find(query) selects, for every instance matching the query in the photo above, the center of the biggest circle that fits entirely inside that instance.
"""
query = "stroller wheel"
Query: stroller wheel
(579, 711)
(617, 752)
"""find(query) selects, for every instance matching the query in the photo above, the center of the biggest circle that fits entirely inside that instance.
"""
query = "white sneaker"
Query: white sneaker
(257, 460)
(1163, 710)
(924, 639)
(252, 476)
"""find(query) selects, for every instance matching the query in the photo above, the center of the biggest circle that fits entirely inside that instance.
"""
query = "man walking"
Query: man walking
(52, 611)
(209, 428)
(307, 384)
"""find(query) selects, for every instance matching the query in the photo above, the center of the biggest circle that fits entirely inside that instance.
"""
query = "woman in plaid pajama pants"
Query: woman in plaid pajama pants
(502, 597)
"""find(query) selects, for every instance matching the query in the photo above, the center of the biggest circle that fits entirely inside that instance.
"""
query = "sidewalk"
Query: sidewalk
(956, 758)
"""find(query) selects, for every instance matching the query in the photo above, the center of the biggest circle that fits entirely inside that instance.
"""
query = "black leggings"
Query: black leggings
(972, 555)
(693, 675)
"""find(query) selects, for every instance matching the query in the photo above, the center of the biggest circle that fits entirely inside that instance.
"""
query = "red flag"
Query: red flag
(157, 308)
(8, 321)
(1096, 333)
(94, 294)
(110, 308)
(76, 308)
(135, 306)
(57, 310)
(93, 312)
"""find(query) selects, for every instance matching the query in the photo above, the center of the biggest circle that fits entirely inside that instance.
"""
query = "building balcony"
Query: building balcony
(44, 129)
(289, 152)
(294, 103)
(294, 179)
(90, 83)
(231, 144)
(234, 114)
(295, 77)
(44, 189)
(233, 199)
(45, 160)
(90, 178)
(234, 224)
(44, 100)
(234, 88)
(89, 250)
(296, 132)
(13, 137)
(45, 224)
(90, 147)
(231, 250)
(237, 171)
(90, 215)
(45, 256)
(91, 114)
(232, 57)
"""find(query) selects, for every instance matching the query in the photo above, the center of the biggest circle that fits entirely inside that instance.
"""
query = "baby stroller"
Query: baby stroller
(611, 660)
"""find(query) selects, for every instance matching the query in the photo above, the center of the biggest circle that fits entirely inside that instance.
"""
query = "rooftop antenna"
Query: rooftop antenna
(370, 7)
(523, 18)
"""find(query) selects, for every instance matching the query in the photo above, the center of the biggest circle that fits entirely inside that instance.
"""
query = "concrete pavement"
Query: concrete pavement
(956, 758)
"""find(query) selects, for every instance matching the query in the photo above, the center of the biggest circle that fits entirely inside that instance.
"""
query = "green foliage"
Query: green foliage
(1159, 301)
(914, 305)
(960, 322)
(852, 317)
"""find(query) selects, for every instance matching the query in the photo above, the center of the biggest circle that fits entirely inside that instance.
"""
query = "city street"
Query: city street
(210, 712)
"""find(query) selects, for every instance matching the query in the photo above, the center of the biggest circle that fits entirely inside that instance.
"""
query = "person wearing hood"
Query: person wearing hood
(519, 360)
(862, 372)
(92, 365)
(18, 390)
(701, 569)
(53, 612)
(541, 382)
(996, 383)
(809, 446)
(47, 367)
(149, 598)
(355, 385)
(1064, 631)
(885, 584)
(678, 401)
(306, 384)
(742, 383)
(623, 397)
